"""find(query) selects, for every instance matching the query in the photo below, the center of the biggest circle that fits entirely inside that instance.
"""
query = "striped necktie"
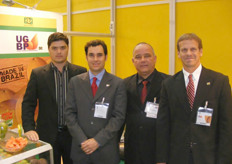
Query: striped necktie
(190, 90)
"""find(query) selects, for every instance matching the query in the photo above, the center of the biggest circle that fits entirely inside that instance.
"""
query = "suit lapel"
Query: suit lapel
(50, 80)
(104, 85)
(86, 86)
(204, 85)
(71, 71)
(133, 90)
(180, 89)
(155, 86)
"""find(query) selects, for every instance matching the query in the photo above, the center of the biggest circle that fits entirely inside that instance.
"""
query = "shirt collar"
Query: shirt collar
(98, 76)
(64, 68)
(149, 78)
(196, 73)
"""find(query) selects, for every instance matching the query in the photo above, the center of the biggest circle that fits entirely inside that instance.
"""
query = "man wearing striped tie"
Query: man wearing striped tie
(195, 114)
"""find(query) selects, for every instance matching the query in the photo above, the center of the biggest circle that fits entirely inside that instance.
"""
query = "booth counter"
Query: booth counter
(31, 152)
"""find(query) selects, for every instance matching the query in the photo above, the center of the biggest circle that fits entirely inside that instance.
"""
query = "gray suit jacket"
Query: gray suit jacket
(79, 114)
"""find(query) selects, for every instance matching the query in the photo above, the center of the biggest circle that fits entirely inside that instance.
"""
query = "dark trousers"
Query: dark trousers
(62, 147)
(191, 157)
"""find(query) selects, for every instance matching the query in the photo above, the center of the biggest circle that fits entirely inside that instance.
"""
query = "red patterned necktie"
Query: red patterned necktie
(94, 86)
(190, 90)
(144, 91)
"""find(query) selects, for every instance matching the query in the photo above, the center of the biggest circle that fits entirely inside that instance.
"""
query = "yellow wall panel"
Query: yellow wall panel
(65, 24)
(59, 6)
(92, 22)
(89, 4)
(126, 2)
(211, 20)
(141, 24)
(98, 22)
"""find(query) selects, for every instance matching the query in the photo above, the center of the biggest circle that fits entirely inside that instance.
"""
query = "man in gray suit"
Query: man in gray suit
(95, 116)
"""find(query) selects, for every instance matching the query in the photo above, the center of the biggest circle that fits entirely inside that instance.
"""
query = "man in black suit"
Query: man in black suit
(47, 86)
(194, 121)
(140, 134)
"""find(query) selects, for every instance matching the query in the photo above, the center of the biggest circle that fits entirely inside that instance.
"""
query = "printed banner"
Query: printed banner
(23, 47)
(23, 42)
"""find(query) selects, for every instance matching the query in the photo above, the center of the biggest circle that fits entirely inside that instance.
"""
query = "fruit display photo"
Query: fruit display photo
(3, 128)
(14, 76)
(15, 144)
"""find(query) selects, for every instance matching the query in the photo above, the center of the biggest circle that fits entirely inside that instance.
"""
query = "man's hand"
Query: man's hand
(32, 135)
(89, 146)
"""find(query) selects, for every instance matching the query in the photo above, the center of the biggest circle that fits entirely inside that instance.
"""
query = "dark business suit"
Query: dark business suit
(79, 113)
(41, 87)
(140, 135)
(177, 132)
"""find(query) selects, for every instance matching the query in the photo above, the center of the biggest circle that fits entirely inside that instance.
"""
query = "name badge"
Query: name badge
(204, 116)
(151, 109)
(101, 109)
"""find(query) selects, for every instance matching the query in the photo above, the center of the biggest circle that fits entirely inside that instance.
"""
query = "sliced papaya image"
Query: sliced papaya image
(15, 144)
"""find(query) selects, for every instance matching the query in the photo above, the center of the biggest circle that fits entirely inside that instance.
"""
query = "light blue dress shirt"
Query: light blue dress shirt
(99, 77)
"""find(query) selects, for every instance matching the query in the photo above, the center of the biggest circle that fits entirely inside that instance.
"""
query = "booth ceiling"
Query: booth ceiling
(45, 5)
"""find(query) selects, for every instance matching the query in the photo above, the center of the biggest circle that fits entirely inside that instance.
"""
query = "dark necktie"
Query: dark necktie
(94, 86)
(190, 90)
(144, 91)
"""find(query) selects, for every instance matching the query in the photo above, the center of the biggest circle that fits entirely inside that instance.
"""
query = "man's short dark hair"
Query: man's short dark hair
(94, 43)
(189, 36)
(57, 36)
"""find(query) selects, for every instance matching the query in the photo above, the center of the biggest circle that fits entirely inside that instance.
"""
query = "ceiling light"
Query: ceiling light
(11, 2)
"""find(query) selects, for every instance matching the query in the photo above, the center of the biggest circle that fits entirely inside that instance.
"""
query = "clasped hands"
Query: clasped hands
(89, 146)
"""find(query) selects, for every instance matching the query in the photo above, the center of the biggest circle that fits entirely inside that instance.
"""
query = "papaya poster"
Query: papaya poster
(23, 46)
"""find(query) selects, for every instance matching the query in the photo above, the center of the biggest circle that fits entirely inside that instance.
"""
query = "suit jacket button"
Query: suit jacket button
(91, 123)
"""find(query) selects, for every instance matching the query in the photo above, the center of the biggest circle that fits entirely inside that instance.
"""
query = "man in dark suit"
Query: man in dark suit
(95, 116)
(140, 134)
(194, 121)
(47, 86)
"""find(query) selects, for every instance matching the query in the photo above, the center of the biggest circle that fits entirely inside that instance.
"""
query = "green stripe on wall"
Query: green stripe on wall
(18, 28)
(21, 55)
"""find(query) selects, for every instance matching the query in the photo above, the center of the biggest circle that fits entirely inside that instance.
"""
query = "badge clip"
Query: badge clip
(103, 99)
(154, 99)
(206, 104)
